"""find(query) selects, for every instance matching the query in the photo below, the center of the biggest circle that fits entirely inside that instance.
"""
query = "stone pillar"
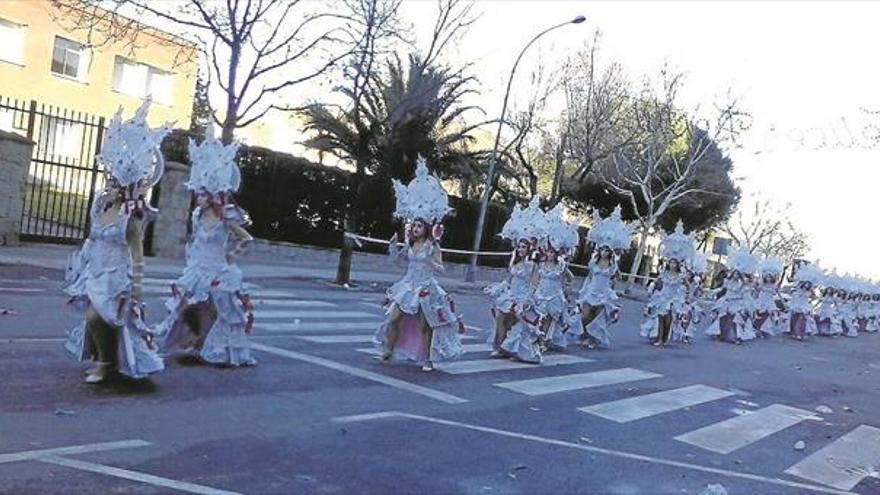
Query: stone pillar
(169, 232)
(15, 160)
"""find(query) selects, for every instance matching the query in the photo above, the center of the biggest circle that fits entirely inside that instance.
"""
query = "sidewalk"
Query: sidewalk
(54, 257)
(366, 272)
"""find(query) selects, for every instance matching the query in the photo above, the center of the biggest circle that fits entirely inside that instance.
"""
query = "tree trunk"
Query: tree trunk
(637, 261)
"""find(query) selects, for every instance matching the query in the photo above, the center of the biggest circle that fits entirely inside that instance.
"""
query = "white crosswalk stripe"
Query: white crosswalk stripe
(353, 339)
(166, 282)
(481, 365)
(735, 433)
(318, 314)
(468, 348)
(578, 381)
(291, 303)
(165, 290)
(845, 462)
(643, 406)
(307, 327)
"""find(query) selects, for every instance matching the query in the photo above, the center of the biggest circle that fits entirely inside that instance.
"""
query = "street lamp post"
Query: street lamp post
(471, 273)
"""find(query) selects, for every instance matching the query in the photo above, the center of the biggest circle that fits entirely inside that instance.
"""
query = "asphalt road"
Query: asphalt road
(321, 415)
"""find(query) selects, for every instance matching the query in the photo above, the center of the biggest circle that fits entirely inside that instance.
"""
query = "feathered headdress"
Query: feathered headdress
(699, 262)
(610, 232)
(677, 245)
(525, 223)
(809, 273)
(213, 165)
(742, 260)
(560, 234)
(130, 153)
(771, 265)
(424, 197)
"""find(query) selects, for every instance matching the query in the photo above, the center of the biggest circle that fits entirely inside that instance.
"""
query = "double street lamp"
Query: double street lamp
(471, 273)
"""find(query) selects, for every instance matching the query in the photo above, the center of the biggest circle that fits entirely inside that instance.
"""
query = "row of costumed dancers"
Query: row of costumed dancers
(210, 314)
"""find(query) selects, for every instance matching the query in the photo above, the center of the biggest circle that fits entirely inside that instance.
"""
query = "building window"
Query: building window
(142, 80)
(70, 59)
(11, 41)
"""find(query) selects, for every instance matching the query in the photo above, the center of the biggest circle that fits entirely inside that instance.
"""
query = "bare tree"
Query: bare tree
(253, 50)
(659, 166)
(765, 227)
(597, 101)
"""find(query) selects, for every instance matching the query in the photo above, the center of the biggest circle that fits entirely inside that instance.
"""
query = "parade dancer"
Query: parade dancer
(863, 309)
(666, 312)
(516, 331)
(210, 313)
(873, 310)
(846, 310)
(766, 316)
(694, 300)
(597, 300)
(827, 322)
(800, 309)
(551, 302)
(105, 277)
(733, 309)
(421, 323)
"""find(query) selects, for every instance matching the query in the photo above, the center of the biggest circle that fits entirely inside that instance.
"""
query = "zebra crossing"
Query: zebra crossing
(841, 464)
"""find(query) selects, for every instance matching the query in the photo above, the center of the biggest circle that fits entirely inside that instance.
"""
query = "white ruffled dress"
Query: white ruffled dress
(765, 304)
(671, 298)
(800, 305)
(100, 277)
(597, 291)
(551, 303)
(209, 277)
(418, 292)
(827, 322)
(730, 322)
(514, 296)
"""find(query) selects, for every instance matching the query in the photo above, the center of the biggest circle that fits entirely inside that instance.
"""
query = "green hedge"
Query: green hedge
(294, 200)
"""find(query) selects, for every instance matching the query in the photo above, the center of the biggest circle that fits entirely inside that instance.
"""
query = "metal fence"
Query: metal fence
(63, 175)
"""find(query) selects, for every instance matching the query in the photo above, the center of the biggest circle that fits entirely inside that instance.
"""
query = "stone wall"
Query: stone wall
(15, 160)
(170, 230)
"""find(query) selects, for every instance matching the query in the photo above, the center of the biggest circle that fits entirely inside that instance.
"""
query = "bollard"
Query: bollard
(343, 271)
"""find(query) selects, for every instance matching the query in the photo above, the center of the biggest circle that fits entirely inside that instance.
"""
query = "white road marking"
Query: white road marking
(319, 314)
(468, 348)
(166, 282)
(481, 365)
(254, 294)
(361, 373)
(735, 433)
(643, 406)
(566, 383)
(337, 339)
(134, 476)
(21, 289)
(373, 305)
(593, 449)
(315, 327)
(283, 303)
(72, 450)
(845, 462)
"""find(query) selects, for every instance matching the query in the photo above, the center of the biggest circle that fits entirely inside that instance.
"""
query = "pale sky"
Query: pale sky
(804, 71)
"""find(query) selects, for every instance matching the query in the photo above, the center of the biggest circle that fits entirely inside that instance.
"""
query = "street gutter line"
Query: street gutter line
(361, 373)
(588, 448)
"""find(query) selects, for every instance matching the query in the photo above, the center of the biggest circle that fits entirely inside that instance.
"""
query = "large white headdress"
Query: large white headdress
(525, 223)
(213, 165)
(771, 265)
(809, 273)
(677, 245)
(130, 153)
(560, 234)
(699, 262)
(610, 232)
(742, 260)
(424, 197)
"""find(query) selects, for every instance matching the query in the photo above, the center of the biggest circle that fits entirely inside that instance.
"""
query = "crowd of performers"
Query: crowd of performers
(209, 313)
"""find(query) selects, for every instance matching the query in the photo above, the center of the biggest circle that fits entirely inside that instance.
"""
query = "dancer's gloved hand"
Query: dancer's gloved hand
(438, 231)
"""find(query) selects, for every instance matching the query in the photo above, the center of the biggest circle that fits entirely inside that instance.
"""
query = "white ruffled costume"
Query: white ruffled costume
(670, 296)
(733, 310)
(101, 273)
(551, 302)
(211, 286)
(598, 289)
(800, 321)
(418, 294)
